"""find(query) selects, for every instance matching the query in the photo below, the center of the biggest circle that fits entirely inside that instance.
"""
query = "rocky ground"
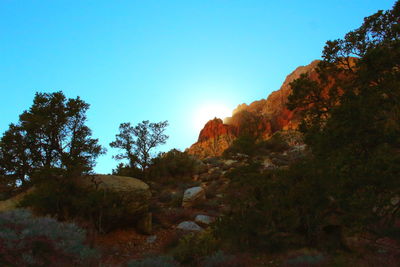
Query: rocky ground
(194, 203)
(191, 204)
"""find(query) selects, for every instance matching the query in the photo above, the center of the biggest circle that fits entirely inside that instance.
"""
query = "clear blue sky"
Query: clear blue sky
(160, 60)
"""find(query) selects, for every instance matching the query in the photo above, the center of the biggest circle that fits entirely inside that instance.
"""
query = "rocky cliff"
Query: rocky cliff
(261, 118)
(214, 138)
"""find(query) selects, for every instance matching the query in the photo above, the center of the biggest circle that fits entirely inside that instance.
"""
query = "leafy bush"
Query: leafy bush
(173, 164)
(311, 258)
(192, 247)
(220, 259)
(65, 200)
(244, 144)
(351, 119)
(262, 214)
(154, 261)
(126, 170)
(249, 145)
(276, 143)
(29, 241)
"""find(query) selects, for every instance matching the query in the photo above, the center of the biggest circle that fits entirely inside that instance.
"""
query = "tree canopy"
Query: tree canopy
(50, 135)
(138, 141)
(352, 113)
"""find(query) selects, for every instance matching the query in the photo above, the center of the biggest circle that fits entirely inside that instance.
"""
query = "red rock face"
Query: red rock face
(261, 118)
(214, 138)
(214, 128)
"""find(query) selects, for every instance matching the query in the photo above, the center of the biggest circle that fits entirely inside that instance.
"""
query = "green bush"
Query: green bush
(29, 241)
(276, 143)
(125, 170)
(306, 259)
(245, 144)
(262, 212)
(193, 247)
(65, 200)
(220, 259)
(173, 164)
(154, 261)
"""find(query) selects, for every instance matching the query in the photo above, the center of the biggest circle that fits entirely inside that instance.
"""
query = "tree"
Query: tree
(355, 136)
(50, 135)
(137, 142)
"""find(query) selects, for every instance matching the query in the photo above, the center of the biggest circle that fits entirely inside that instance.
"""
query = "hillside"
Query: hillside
(265, 116)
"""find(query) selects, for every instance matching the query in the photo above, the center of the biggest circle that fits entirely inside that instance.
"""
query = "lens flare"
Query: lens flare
(209, 112)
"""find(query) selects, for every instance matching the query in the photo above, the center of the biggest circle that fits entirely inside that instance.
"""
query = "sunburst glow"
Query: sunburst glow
(208, 112)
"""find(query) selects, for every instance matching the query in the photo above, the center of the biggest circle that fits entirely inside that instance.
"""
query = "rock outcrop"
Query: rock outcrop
(214, 138)
(262, 118)
(189, 226)
(134, 193)
(13, 202)
(192, 196)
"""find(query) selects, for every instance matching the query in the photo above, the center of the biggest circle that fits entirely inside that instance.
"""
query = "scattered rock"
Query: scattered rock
(151, 239)
(395, 200)
(267, 163)
(229, 162)
(204, 219)
(193, 195)
(189, 226)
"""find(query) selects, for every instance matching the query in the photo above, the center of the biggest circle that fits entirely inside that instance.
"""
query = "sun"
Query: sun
(208, 112)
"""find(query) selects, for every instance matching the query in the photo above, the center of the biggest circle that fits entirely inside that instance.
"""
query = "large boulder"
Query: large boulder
(12, 203)
(134, 193)
(204, 219)
(193, 195)
(189, 226)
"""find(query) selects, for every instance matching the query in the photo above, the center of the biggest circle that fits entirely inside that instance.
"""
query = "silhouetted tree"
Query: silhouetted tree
(137, 142)
(50, 135)
(352, 114)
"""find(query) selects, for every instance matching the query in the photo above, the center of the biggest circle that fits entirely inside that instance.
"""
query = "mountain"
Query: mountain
(261, 118)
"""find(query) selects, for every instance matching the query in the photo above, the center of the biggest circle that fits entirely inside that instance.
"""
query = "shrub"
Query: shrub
(277, 143)
(154, 261)
(65, 200)
(220, 259)
(262, 214)
(29, 241)
(306, 258)
(126, 170)
(173, 164)
(244, 144)
(192, 247)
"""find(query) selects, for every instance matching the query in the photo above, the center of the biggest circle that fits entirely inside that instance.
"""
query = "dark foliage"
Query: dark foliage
(244, 144)
(29, 241)
(154, 261)
(65, 200)
(50, 135)
(274, 209)
(351, 123)
(125, 170)
(173, 164)
(138, 141)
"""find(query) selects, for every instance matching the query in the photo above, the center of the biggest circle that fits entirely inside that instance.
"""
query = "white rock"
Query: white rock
(267, 163)
(192, 195)
(151, 239)
(395, 200)
(229, 162)
(204, 219)
(189, 226)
